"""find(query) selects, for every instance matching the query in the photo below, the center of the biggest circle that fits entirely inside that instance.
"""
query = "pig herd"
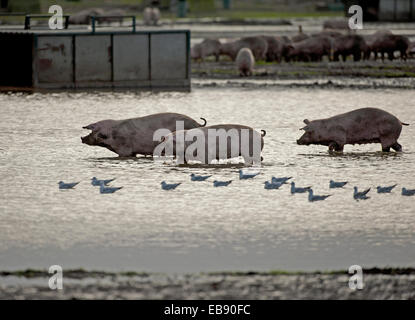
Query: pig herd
(332, 44)
(135, 136)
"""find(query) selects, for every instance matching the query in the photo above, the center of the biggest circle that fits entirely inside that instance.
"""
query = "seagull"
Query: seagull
(294, 189)
(221, 183)
(312, 197)
(334, 184)
(385, 189)
(171, 186)
(194, 177)
(270, 186)
(408, 192)
(248, 175)
(63, 185)
(97, 182)
(104, 189)
(282, 180)
(360, 195)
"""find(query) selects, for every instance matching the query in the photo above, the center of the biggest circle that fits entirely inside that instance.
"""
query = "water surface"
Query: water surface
(198, 227)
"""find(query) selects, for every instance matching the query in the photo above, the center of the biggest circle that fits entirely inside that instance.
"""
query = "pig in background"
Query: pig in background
(256, 44)
(310, 49)
(134, 136)
(151, 16)
(388, 43)
(350, 44)
(361, 126)
(207, 48)
(245, 62)
(84, 16)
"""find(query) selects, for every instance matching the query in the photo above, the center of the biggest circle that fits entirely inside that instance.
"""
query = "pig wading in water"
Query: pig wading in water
(361, 126)
(224, 141)
(134, 136)
(245, 62)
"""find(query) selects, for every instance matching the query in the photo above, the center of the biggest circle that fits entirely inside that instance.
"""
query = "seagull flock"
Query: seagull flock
(274, 184)
(95, 182)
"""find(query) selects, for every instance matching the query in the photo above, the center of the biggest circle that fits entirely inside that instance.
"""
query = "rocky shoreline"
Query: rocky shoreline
(80, 284)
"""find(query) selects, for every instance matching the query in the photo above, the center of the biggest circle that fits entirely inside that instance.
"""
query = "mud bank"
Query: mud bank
(302, 70)
(79, 284)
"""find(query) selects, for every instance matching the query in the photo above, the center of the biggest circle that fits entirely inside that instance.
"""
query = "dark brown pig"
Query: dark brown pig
(389, 43)
(134, 136)
(372, 43)
(208, 47)
(350, 44)
(285, 43)
(361, 126)
(224, 141)
(275, 49)
(257, 45)
(311, 49)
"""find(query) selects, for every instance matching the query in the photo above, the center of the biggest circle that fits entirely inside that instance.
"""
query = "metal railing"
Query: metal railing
(42, 16)
(94, 19)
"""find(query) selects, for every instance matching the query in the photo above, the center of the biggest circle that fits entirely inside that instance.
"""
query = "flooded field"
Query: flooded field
(197, 227)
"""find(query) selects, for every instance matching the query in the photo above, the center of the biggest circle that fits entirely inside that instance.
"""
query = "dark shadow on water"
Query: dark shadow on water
(354, 155)
(120, 159)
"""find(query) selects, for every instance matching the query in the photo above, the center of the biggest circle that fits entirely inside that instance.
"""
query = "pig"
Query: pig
(84, 16)
(275, 49)
(361, 126)
(350, 44)
(151, 16)
(311, 49)
(389, 43)
(257, 45)
(116, 13)
(285, 43)
(370, 42)
(223, 141)
(245, 62)
(208, 47)
(134, 136)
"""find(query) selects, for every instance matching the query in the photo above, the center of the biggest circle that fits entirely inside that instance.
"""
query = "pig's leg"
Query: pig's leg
(333, 146)
(386, 147)
(397, 147)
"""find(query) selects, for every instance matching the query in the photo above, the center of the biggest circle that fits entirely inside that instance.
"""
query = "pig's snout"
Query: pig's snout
(87, 139)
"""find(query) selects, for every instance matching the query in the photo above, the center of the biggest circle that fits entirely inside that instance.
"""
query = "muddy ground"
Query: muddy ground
(79, 284)
(226, 69)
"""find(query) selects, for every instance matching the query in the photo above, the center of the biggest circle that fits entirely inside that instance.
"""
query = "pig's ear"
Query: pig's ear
(90, 126)
(306, 121)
